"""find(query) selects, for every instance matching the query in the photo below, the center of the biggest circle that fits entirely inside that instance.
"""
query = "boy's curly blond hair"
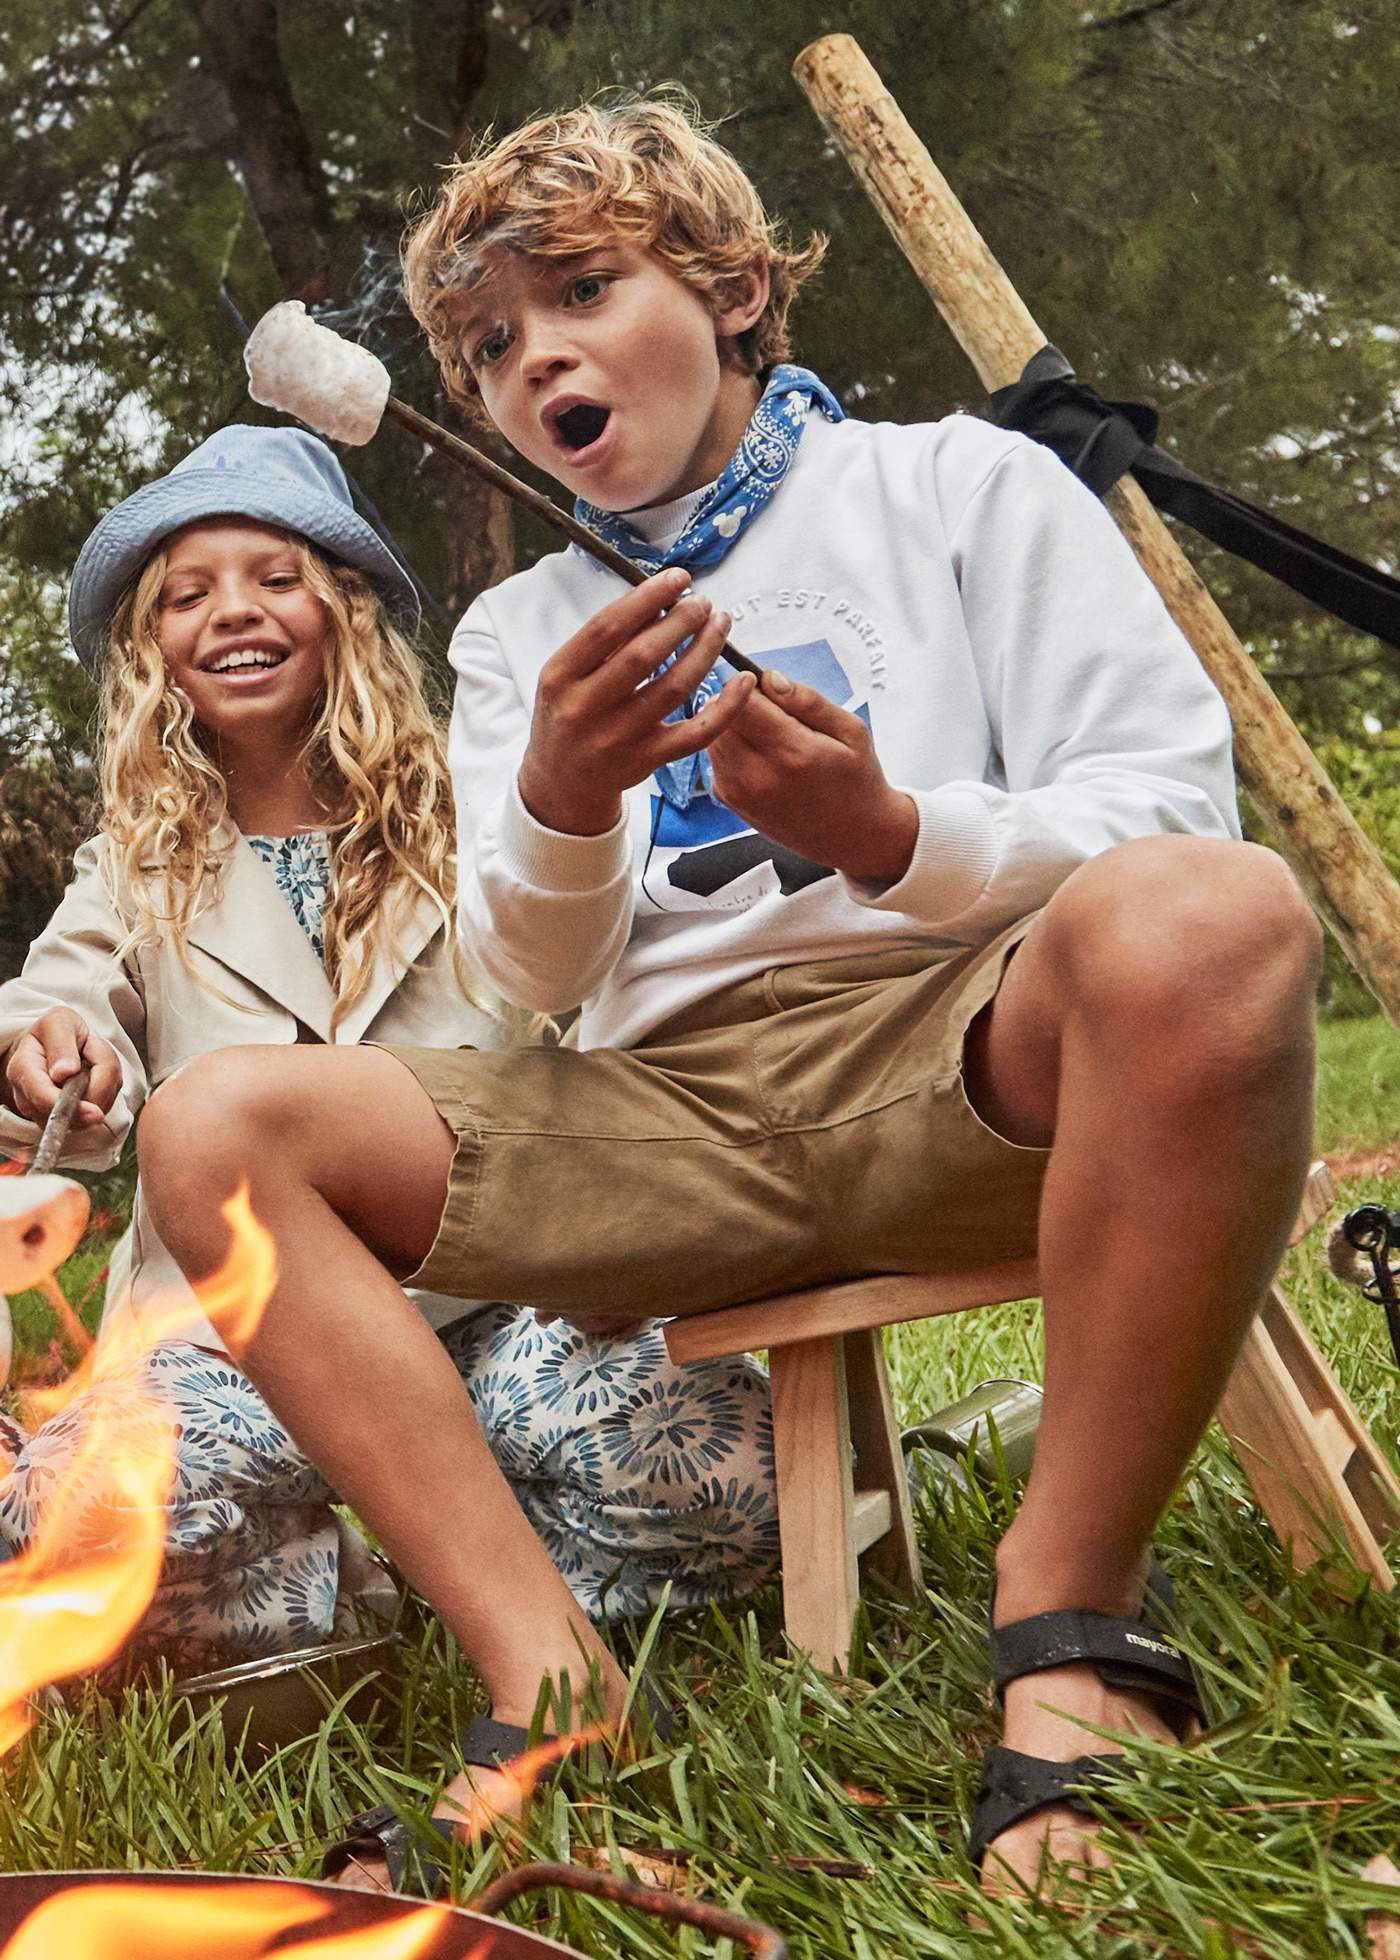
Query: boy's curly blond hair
(644, 170)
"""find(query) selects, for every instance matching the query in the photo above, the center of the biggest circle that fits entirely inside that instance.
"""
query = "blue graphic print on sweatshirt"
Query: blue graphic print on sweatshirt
(706, 858)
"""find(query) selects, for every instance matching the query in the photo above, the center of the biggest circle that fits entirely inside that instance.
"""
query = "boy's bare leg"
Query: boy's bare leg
(1157, 1022)
(347, 1160)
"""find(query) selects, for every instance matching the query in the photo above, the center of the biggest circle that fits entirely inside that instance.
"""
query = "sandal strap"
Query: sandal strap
(1138, 1654)
(488, 1743)
(414, 1870)
(1138, 1647)
(1015, 1786)
(485, 1743)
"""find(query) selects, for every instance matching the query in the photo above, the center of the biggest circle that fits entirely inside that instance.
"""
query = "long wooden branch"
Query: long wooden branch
(1341, 870)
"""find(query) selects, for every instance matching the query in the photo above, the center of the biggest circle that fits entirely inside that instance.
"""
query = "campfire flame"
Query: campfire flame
(233, 1298)
(65, 1610)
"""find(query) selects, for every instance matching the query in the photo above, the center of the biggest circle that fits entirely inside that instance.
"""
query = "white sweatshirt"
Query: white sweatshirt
(958, 588)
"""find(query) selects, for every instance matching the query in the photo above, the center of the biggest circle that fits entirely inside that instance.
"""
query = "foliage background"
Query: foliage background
(1196, 197)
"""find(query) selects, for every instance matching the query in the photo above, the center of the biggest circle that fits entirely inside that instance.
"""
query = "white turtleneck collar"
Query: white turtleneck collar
(661, 524)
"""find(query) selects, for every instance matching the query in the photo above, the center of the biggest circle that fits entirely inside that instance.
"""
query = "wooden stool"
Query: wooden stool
(1306, 1452)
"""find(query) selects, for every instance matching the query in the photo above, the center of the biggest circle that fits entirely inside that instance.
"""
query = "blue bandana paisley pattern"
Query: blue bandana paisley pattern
(748, 482)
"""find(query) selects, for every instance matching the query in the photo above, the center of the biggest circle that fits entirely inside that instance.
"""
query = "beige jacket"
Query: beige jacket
(158, 1017)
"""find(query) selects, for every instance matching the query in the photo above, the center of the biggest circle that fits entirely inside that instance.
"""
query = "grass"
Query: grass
(1358, 1085)
(1248, 1844)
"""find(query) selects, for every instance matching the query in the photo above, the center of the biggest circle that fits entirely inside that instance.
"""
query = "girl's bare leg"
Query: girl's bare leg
(1157, 1022)
(347, 1162)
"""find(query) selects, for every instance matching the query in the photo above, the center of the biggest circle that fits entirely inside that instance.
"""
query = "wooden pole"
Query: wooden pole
(1341, 870)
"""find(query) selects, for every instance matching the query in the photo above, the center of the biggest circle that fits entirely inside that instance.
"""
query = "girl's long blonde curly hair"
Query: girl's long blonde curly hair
(375, 757)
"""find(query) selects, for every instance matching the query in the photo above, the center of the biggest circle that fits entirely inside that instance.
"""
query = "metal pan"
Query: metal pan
(266, 1704)
(463, 1935)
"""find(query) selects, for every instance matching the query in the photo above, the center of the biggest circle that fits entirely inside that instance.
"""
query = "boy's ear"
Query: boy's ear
(750, 296)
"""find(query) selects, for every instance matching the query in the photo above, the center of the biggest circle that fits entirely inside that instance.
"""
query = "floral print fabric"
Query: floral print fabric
(637, 1472)
(301, 868)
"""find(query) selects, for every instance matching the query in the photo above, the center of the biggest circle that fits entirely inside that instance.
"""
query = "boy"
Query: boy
(789, 912)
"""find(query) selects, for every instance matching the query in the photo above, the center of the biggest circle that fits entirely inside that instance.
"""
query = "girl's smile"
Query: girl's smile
(242, 635)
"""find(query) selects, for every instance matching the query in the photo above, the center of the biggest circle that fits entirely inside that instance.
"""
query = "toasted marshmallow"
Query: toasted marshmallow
(301, 367)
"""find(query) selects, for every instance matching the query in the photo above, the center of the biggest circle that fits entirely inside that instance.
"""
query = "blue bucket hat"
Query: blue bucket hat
(277, 476)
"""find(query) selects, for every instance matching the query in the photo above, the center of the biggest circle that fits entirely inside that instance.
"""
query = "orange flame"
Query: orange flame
(522, 1773)
(233, 1298)
(64, 1610)
(235, 1921)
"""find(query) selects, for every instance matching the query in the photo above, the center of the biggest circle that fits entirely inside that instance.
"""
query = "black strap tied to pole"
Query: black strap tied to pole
(1102, 440)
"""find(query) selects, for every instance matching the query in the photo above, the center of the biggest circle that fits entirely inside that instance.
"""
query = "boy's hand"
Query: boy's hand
(805, 773)
(39, 1062)
(599, 724)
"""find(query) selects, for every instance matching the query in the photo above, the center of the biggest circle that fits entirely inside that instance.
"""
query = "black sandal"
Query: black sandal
(1136, 1654)
(416, 1868)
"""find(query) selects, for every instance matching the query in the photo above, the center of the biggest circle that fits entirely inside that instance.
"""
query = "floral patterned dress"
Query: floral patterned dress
(639, 1473)
(301, 870)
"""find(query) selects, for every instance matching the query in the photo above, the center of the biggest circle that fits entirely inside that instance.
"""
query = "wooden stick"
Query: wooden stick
(1341, 870)
(70, 1325)
(55, 1130)
(473, 459)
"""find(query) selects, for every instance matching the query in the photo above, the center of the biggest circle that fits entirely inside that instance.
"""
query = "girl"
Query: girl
(274, 864)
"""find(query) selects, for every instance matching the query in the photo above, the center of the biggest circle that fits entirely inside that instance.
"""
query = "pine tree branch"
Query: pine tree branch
(451, 46)
(128, 173)
(118, 29)
(1377, 659)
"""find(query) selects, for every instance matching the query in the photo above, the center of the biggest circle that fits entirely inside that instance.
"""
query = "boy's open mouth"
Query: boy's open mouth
(581, 425)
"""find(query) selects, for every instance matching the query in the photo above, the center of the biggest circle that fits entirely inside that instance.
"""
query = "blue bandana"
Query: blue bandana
(748, 481)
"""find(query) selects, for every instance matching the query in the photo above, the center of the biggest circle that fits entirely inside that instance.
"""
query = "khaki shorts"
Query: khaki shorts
(804, 1126)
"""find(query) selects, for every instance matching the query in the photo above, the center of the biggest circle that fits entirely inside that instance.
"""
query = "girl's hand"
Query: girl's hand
(39, 1062)
(805, 773)
(600, 725)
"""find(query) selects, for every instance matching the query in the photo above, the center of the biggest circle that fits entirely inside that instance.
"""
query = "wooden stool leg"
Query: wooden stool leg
(1304, 1448)
(880, 1461)
(816, 1499)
